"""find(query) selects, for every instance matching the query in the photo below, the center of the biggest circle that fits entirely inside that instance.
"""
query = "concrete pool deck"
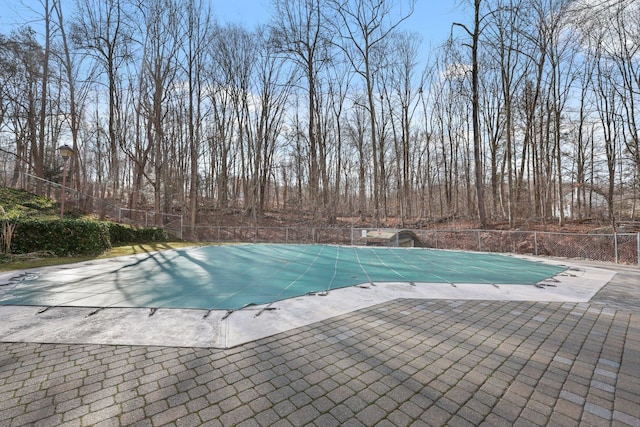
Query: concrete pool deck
(391, 354)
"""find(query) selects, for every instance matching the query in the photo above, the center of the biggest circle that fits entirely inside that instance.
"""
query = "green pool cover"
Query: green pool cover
(231, 277)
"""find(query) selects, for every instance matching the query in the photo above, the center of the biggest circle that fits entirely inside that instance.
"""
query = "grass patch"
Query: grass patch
(37, 260)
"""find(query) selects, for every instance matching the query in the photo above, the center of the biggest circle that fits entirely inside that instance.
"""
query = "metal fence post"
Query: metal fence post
(535, 243)
(615, 245)
(479, 243)
(638, 238)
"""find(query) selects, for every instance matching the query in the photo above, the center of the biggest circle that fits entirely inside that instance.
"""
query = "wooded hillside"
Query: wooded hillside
(530, 111)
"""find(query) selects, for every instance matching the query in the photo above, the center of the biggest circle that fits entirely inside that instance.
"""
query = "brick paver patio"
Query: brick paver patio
(406, 362)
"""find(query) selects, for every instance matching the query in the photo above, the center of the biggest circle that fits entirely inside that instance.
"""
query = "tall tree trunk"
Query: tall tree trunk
(38, 154)
(477, 148)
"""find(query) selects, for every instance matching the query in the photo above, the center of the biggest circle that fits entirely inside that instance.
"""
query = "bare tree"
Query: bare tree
(299, 32)
(404, 95)
(158, 73)
(562, 75)
(228, 66)
(338, 87)
(197, 27)
(584, 132)
(363, 25)
(450, 129)
(357, 133)
(71, 68)
(610, 41)
(103, 30)
(21, 63)
(625, 51)
(506, 46)
(271, 86)
(37, 150)
(609, 110)
(234, 55)
(474, 33)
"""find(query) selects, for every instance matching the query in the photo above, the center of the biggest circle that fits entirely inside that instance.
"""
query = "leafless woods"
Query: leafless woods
(529, 110)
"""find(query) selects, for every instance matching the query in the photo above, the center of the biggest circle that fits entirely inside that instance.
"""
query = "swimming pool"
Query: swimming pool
(230, 277)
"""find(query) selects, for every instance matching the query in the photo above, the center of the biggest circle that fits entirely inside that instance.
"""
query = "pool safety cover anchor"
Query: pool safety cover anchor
(320, 293)
(95, 311)
(265, 309)
(545, 285)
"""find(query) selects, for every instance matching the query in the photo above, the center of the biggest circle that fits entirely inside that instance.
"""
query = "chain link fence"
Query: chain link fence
(297, 235)
(622, 248)
(170, 222)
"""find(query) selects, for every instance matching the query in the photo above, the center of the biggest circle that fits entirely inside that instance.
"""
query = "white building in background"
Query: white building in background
(592, 204)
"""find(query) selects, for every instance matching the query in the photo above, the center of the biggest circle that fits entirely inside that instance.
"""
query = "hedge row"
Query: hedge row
(70, 237)
(119, 234)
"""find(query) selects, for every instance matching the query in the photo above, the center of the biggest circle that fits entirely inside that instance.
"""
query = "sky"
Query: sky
(431, 18)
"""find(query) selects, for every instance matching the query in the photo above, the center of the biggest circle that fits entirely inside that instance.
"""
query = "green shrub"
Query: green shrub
(152, 234)
(73, 237)
(61, 237)
(120, 233)
(30, 223)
